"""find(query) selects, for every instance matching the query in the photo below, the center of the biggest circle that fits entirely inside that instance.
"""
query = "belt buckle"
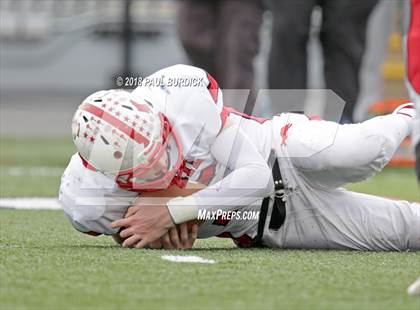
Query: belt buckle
(278, 189)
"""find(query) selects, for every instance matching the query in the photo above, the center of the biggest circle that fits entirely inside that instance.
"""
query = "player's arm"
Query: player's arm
(91, 201)
(249, 180)
(199, 121)
(181, 236)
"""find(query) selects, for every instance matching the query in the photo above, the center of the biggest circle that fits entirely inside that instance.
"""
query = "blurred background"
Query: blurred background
(54, 53)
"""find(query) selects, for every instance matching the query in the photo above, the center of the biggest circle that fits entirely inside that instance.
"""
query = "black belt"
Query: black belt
(278, 215)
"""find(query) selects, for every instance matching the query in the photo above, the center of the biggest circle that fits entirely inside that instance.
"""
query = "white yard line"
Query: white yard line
(414, 288)
(188, 259)
(35, 171)
(30, 203)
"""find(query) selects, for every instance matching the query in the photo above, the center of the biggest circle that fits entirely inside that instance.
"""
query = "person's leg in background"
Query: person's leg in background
(343, 38)
(288, 58)
(222, 37)
(371, 81)
(290, 34)
(412, 50)
(197, 22)
(238, 43)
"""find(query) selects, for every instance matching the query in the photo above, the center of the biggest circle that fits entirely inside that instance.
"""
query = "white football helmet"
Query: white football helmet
(122, 136)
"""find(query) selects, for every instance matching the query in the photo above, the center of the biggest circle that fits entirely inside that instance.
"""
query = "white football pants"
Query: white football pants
(316, 158)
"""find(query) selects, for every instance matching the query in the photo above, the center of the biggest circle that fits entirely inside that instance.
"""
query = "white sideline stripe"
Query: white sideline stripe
(35, 171)
(30, 203)
(187, 259)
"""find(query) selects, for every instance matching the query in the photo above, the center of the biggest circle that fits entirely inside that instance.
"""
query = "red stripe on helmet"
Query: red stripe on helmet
(115, 122)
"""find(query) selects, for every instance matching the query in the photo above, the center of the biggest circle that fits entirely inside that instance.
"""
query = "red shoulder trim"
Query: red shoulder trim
(227, 110)
(213, 88)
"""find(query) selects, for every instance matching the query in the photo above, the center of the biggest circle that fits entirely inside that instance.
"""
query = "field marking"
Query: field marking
(188, 259)
(414, 288)
(36, 203)
(33, 171)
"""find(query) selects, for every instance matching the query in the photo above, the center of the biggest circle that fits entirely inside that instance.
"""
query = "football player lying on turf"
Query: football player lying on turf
(164, 135)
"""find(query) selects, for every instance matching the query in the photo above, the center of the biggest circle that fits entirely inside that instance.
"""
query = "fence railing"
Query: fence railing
(38, 19)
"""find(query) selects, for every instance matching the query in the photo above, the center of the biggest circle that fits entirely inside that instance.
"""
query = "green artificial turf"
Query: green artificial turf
(45, 264)
(30, 155)
(39, 163)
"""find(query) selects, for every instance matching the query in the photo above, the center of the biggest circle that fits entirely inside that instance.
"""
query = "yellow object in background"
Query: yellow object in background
(395, 42)
(393, 70)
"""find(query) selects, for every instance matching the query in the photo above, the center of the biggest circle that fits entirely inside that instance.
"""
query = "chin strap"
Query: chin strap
(86, 164)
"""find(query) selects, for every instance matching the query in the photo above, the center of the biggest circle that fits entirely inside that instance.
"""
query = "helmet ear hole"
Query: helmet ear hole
(118, 154)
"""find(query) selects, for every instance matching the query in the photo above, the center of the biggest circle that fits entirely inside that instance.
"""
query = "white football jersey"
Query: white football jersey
(193, 103)
(193, 111)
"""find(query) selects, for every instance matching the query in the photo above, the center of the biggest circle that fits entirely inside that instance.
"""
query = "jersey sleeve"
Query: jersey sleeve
(90, 200)
(249, 179)
(192, 101)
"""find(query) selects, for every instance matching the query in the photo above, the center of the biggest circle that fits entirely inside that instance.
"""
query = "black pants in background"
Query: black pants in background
(343, 36)
(222, 37)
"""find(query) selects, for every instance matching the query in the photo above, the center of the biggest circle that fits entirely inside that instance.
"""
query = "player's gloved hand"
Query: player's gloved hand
(144, 225)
